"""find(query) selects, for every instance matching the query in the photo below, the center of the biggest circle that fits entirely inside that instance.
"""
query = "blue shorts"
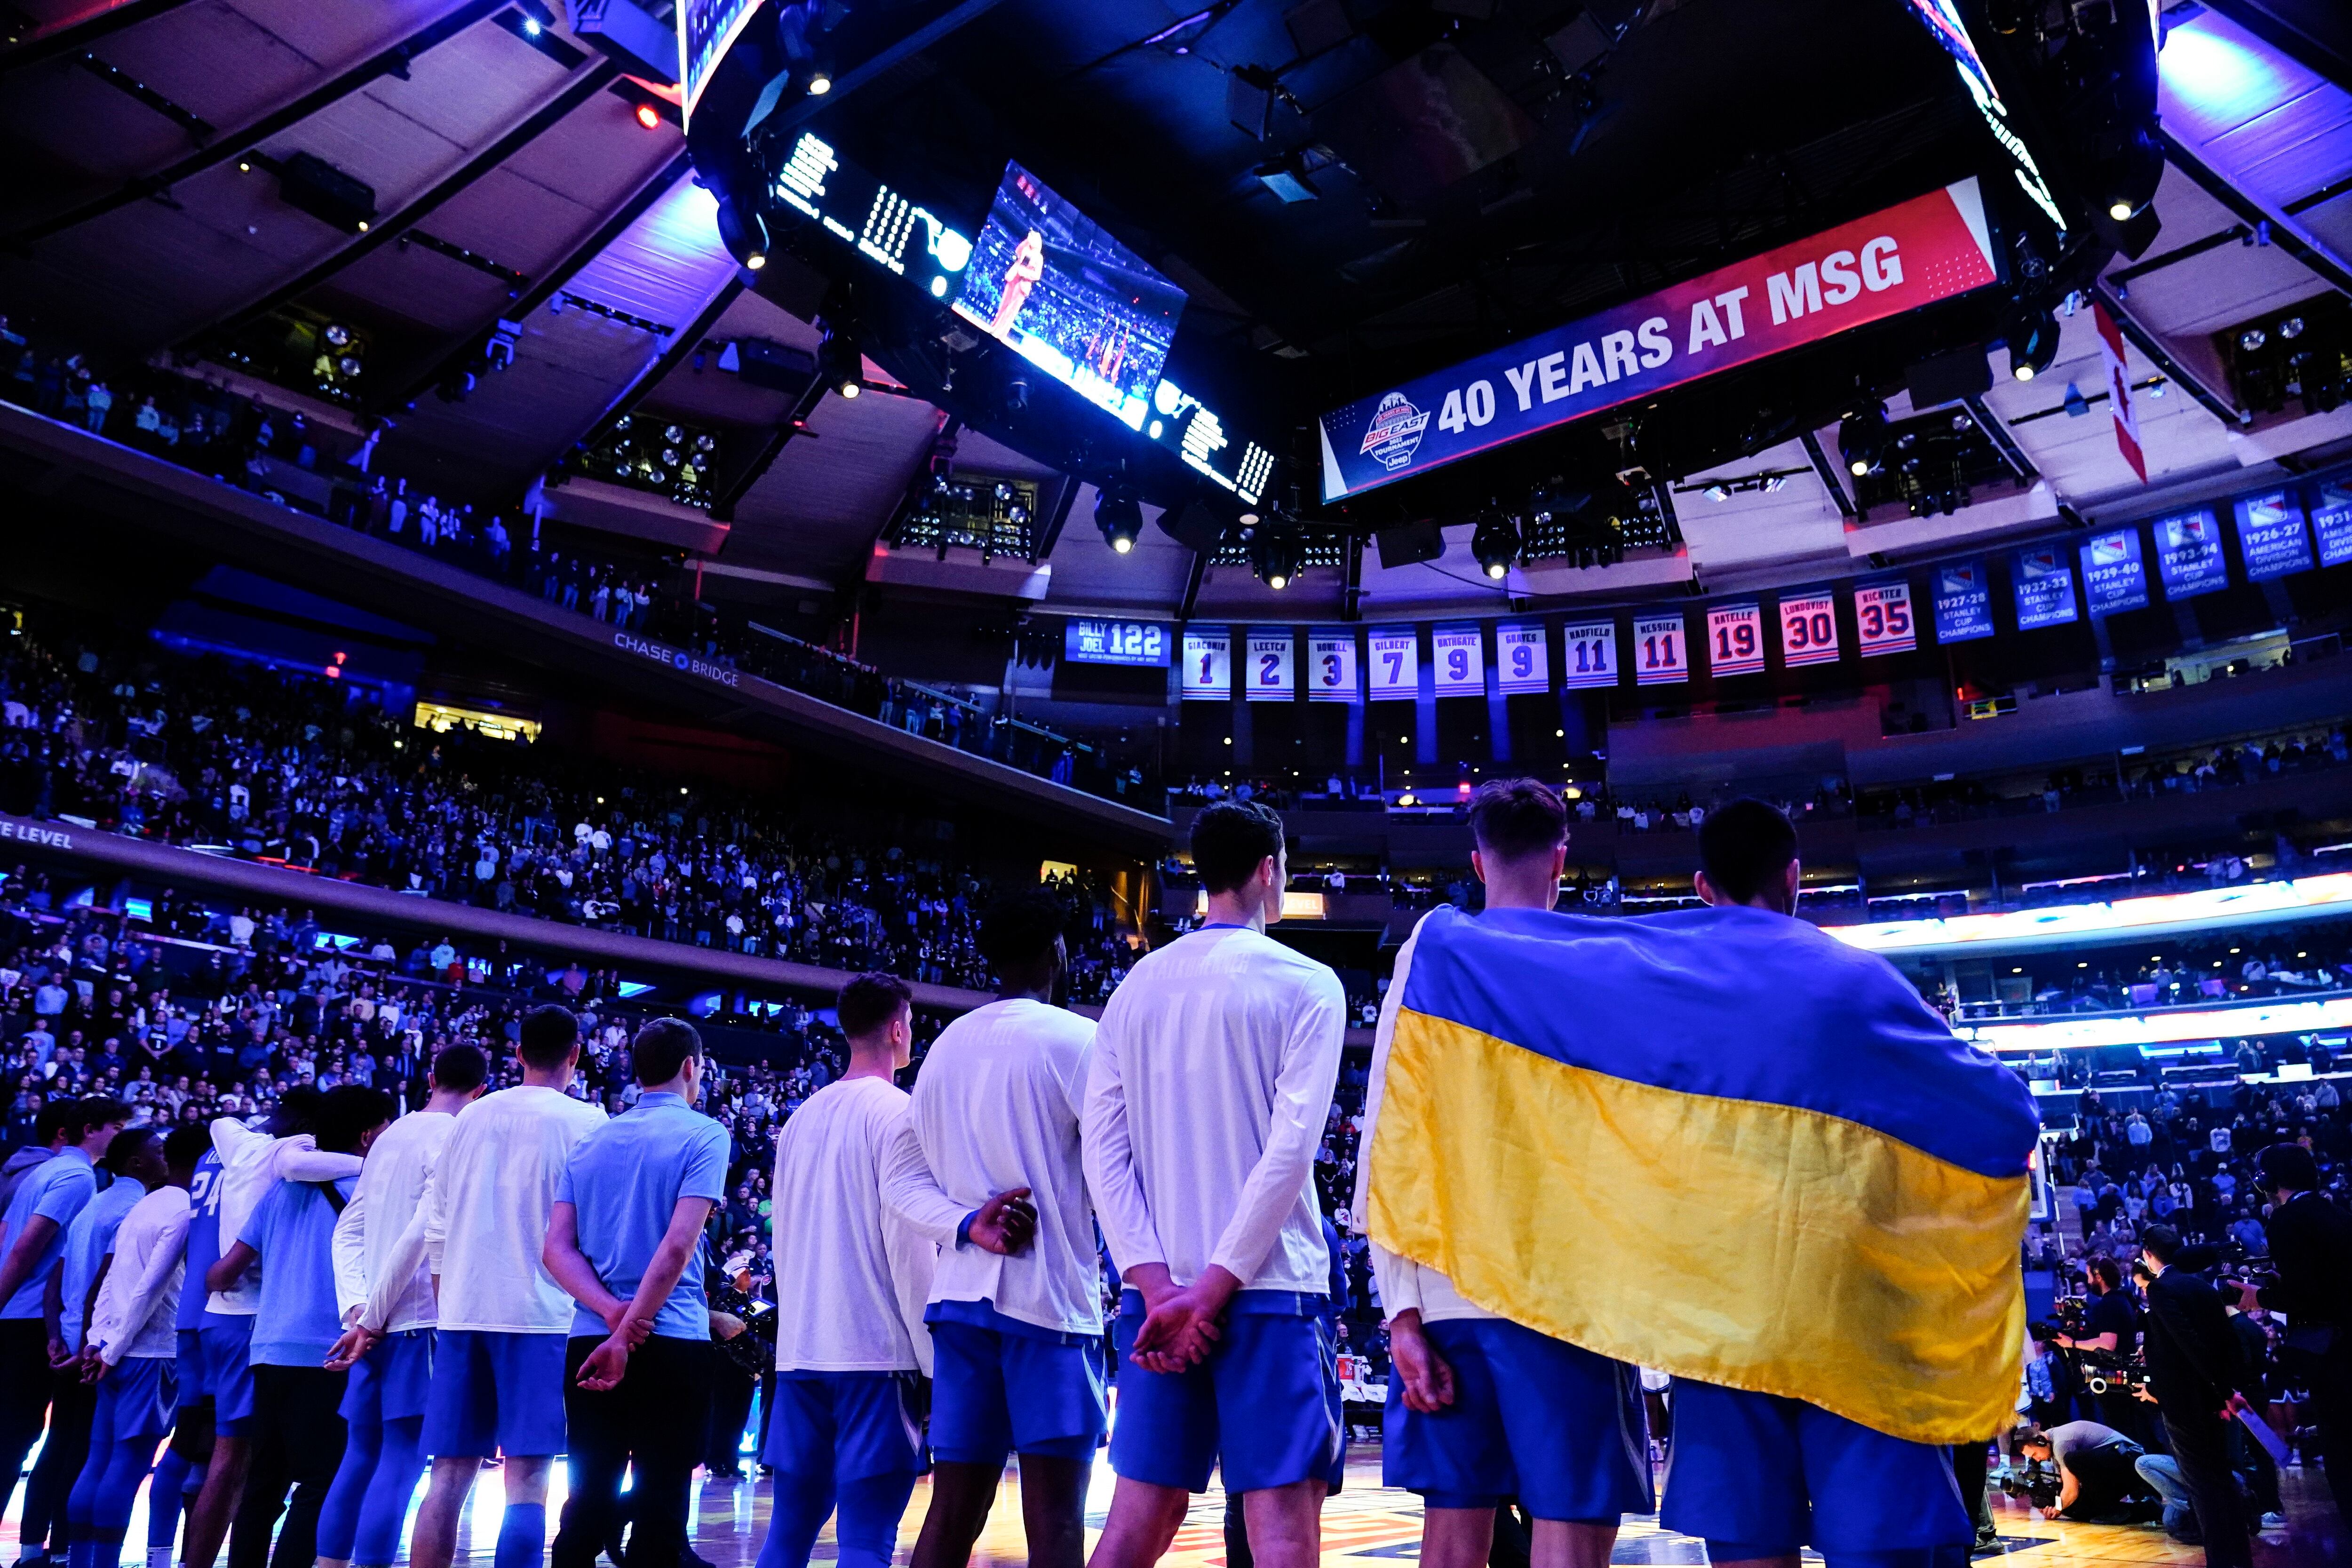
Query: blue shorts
(194, 1390)
(495, 1394)
(228, 1372)
(1000, 1391)
(137, 1398)
(847, 1425)
(392, 1380)
(1533, 1417)
(1748, 1468)
(1264, 1408)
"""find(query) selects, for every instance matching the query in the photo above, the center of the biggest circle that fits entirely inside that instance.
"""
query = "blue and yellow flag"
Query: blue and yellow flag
(1719, 1142)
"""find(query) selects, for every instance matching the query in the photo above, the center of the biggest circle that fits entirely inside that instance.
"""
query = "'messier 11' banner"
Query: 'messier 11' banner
(1928, 248)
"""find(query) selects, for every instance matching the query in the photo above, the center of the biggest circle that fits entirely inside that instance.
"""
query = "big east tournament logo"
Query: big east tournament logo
(1394, 432)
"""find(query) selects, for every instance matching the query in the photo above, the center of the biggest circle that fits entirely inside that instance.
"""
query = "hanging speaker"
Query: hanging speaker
(1410, 545)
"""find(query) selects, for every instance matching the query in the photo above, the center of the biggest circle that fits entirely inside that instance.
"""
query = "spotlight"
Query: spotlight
(1862, 438)
(820, 82)
(2252, 338)
(743, 231)
(1275, 554)
(531, 27)
(840, 362)
(649, 117)
(2033, 337)
(1119, 517)
(1495, 544)
(2291, 327)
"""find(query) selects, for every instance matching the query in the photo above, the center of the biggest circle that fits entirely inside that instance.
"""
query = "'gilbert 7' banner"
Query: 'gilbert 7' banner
(1928, 248)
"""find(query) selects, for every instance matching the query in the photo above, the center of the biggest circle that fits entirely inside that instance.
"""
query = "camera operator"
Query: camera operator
(2193, 1370)
(2311, 1246)
(2111, 1328)
(2098, 1480)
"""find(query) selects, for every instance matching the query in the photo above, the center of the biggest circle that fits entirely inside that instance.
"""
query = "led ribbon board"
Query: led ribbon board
(861, 212)
(1931, 247)
(2159, 914)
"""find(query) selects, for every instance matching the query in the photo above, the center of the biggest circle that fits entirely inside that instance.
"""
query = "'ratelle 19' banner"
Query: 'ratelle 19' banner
(1928, 248)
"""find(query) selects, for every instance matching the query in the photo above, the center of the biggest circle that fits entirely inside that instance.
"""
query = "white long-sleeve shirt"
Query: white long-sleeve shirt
(1404, 1284)
(251, 1164)
(997, 1107)
(486, 1209)
(852, 1279)
(137, 1305)
(378, 1241)
(1206, 1096)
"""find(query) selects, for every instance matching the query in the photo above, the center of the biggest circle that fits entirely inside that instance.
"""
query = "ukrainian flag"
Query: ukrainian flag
(1719, 1142)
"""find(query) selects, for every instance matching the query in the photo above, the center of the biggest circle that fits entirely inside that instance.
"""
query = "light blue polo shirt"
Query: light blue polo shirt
(625, 1179)
(56, 1189)
(293, 1228)
(87, 1241)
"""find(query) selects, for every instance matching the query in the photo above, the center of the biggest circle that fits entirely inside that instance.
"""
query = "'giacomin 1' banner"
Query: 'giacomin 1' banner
(1928, 248)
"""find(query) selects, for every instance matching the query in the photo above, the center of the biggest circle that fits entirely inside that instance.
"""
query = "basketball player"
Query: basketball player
(1017, 1331)
(851, 1282)
(498, 1356)
(1491, 1409)
(383, 1406)
(1210, 1077)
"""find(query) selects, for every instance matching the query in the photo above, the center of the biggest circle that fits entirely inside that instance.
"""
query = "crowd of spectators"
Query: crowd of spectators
(316, 774)
(2245, 964)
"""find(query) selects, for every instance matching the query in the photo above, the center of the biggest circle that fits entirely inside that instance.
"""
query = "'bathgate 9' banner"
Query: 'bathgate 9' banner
(1928, 248)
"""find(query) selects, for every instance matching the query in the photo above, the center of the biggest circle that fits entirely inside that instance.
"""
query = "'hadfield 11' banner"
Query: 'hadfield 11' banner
(1928, 248)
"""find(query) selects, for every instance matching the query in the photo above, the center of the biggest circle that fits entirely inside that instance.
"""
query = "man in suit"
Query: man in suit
(2193, 1368)
(2311, 1243)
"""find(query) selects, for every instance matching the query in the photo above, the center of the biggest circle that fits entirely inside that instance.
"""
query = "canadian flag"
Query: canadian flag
(2119, 396)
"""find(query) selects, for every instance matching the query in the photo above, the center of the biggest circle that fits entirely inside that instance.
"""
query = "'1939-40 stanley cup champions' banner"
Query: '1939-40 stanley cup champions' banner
(1928, 248)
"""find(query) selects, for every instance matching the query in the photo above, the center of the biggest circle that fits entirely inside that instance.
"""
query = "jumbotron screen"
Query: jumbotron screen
(1049, 283)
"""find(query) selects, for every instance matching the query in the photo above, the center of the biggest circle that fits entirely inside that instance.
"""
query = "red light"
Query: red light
(333, 674)
(341, 657)
(649, 117)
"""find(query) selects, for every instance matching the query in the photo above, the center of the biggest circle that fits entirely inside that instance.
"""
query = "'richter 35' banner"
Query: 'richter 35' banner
(1928, 248)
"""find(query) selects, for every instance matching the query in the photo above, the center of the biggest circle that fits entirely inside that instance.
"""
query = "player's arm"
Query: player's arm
(224, 1274)
(910, 1190)
(346, 1245)
(121, 1313)
(31, 1242)
(1308, 1072)
(53, 1314)
(88, 1305)
(1107, 1148)
(570, 1267)
(604, 1368)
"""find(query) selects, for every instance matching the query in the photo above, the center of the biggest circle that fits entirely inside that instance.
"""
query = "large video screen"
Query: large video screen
(1048, 282)
(704, 30)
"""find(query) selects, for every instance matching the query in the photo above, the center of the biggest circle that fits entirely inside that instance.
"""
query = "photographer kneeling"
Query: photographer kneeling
(2099, 1482)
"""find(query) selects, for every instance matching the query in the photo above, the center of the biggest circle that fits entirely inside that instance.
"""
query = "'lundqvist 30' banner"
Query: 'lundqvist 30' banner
(1928, 248)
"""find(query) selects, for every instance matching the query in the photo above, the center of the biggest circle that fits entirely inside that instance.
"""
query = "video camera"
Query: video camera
(2106, 1372)
(2035, 1482)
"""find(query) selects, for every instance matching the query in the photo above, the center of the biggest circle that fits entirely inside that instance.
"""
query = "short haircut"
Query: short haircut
(460, 1068)
(1745, 848)
(126, 1147)
(871, 1000)
(1019, 929)
(549, 1033)
(2288, 1165)
(98, 1111)
(346, 1113)
(2107, 1272)
(1229, 838)
(56, 1116)
(662, 1047)
(185, 1144)
(298, 1112)
(2160, 1242)
(1515, 818)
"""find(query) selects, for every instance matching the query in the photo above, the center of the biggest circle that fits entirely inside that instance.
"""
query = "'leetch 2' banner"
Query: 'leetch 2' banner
(1928, 248)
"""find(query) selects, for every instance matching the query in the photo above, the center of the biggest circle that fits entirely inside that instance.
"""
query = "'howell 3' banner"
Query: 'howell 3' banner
(1928, 248)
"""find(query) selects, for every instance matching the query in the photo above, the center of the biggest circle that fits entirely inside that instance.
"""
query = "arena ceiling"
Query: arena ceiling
(514, 177)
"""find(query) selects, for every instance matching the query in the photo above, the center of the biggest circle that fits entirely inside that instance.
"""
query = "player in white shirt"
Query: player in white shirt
(251, 1164)
(498, 1354)
(131, 1352)
(988, 1157)
(380, 1240)
(850, 1283)
(1210, 1079)
(1482, 1408)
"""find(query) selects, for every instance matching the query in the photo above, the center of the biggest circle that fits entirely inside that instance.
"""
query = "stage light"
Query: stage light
(1275, 554)
(531, 27)
(2252, 338)
(744, 232)
(2033, 337)
(1495, 544)
(2291, 327)
(649, 117)
(840, 362)
(820, 82)
(1862, 439)
(1119, 517)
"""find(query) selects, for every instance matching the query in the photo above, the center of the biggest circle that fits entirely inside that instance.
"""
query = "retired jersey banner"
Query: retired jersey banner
(2331, 520)
(1928, 248)
(1332, 666)
(1395, 662)
(1458, 660)
(1735, 640)
(1881, 616)
(1268, 675)
(1661, 651)
(1208, 664)
(1522, 663)
(1808, 633)
(2114, 577)
(1963, 602)
(2044, 587)
(1591, 655)
(2189, 554)
(2271, 536)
